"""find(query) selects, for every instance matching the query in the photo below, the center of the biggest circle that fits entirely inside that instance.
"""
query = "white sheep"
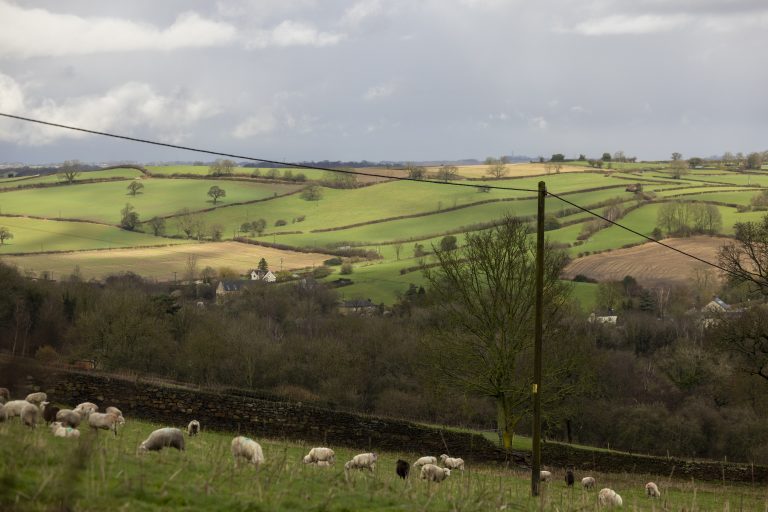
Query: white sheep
(193, 428)
(118, 412)
(588, 482)
(434, 473)
(36, 398)
(362, 461)
(422, 461)
(323, 464)
(69, 418)
(85, 409)
(452, 462)
(320, 454)
(608, 498)
(545, 476)
(30, 414)
(60, 430)
(248, 449)
(14, 407)
(104, 421)
(652, 490)
(162, 438)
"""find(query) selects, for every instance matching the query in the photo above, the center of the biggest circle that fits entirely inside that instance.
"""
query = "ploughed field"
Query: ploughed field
(386, 217)
(100, 472)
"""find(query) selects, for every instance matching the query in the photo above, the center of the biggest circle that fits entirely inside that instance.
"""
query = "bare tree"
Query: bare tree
(190, 269)
(69, 171)
(746, 258)
(398, 248)
(483, 343)
(222, 167)
(497, 167)
(157, 224)
(447, 172)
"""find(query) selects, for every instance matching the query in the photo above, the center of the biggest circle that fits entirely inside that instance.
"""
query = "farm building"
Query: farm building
(261, 275)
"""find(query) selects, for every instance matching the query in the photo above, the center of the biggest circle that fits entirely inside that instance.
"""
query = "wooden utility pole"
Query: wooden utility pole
(538, 334)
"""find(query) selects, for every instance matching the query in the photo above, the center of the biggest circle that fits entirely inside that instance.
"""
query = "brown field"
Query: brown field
(651, 264)
(515, 170)
(162, 262)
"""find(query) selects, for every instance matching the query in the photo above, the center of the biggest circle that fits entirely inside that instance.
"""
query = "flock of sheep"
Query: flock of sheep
(65, 422)
(606, 497)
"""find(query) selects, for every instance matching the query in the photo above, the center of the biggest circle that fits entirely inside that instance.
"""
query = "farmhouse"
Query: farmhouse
(607, 317)
(261, 275)
(228, 288)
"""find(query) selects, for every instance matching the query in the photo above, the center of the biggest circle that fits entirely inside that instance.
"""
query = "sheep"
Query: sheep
(402, 469)
(14, 407)
(320, 454)
(193, 428)
(36, 398)
(569, 478)
(452, 462)
(425, 460)
(85, 409)
(60, 430)
(49, 412)
(588, 482)
(434, 473)
(29, 414)
(68, 418)
(118, 412)
(652, 490)
(162, 438)
(105, 421)
(248, 449)
(323, 464)
(608, 498)
(5, 395)
(362, 461)
(545, 476)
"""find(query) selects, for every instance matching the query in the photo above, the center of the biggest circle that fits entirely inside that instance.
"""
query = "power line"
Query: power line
(651, 239)
(256, 159)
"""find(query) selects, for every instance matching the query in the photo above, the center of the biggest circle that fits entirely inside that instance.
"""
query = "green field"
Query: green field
(36, 235)
(101, 472)
(126, 173)
(203, 170)
(102, 202)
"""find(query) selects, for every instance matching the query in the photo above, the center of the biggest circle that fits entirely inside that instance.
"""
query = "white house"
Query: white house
(260, 275)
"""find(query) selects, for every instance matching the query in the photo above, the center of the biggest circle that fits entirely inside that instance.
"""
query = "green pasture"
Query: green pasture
(697, 192)
(102, 202)
(100, 472)
(628, 166)
(203, 170)
(36, 235)
(85, 175)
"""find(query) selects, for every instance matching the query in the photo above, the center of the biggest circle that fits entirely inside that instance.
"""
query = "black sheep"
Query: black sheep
(49, 413)
(569, 477)
(403, 468)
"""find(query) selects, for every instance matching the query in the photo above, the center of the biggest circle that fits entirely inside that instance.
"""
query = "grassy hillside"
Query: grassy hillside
(126, 173)
(97, 473)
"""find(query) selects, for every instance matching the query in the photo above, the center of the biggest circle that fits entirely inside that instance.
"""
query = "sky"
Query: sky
(404, 80)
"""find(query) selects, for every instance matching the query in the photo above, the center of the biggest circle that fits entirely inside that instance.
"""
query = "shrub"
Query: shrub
(581, 278)
(46, 354)
(333, 262)
(321, 272)
(280, 222)
(346, 268)
(301, 218)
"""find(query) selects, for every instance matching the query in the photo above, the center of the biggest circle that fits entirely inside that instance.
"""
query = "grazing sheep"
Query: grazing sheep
(104, 421)
(69, 418)
(434, 473)
(29, 414)
(588, 482)
(162, 438)
(85, 409)
(5, 395)
(362, 461)
(60, 430)
(569, 478)
(14, 407)
(424, 461)
(545, 476)
(452, 462)
(36, 398)
(118, 412)
(193, 428)
(608, 498)
(320, 454)
(652, 490)
(248, 449)
(323, 464)
(402, 469)
(49, 412)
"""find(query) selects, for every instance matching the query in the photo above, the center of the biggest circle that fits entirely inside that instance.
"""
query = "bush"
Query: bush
(280, 222)
(301, 218)
(321, 272)
(333, 262)
(346, 268)
(581, 278)
(46, 354)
